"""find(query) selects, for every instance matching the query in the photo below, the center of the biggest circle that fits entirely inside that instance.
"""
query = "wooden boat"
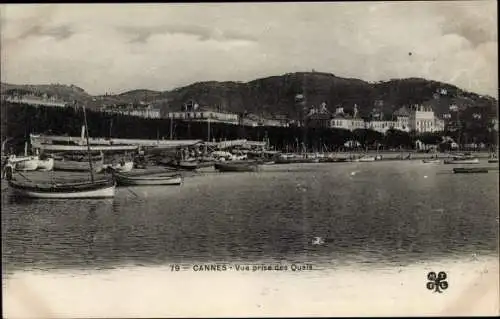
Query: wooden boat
(45, 164)
(431, 161)
(62, 164)
(493, 160)
(166, 178)
(464, 170)
(366, 159)
(237, 166)
(65, 190)
(189, 165)
(25, 164)
(462, 161)
(86, 189)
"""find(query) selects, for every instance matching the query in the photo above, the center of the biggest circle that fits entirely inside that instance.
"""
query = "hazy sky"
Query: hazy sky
(114, 48)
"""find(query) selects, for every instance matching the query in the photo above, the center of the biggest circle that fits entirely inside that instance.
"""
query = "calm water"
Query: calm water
(369, 212)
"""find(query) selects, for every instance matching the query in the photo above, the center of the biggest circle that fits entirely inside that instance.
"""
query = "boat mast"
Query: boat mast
(88, 144)
(171, 127)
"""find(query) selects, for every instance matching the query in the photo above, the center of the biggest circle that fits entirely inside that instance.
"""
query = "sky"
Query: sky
(112, 48)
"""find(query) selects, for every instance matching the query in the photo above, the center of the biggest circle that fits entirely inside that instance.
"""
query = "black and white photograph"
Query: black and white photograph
(249, 159)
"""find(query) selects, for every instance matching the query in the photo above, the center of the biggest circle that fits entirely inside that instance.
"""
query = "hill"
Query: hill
(276, 95)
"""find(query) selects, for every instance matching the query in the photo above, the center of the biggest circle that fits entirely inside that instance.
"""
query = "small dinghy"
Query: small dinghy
(431, 161)
(166, 178)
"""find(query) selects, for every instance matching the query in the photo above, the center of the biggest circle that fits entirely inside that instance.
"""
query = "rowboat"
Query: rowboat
(62, 164)
(45, 164)
(462, 161)
(147, 179)
(431, 161)
(463, 170)
(237, 166)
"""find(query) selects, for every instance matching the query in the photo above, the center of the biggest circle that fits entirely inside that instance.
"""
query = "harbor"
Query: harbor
(249, 160)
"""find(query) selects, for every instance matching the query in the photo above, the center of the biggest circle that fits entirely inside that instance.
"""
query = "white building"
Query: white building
(381, 126)
(145, 112)
(204, 116)
(36, 100)
(422, 119)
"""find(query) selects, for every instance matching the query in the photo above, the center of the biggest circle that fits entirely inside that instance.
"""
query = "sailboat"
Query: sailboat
(65, 190)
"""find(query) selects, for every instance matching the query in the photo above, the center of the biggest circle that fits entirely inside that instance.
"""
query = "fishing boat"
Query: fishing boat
(64, 190)
(45, 164)
(165, 178)
(464, 170)
(431, 161)
(87, 189)
(237, 166)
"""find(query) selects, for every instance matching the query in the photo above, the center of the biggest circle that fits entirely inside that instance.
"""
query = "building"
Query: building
(32, 99)
(205, 116)
(381, 126)
(141, 110)
(422, 119)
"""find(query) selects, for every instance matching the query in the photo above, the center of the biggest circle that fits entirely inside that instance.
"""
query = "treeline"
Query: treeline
(18, 121)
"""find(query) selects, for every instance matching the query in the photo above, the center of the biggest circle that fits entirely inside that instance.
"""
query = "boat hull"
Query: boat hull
(100, 189)
(236, 167)
(148, 180)
(471, 161)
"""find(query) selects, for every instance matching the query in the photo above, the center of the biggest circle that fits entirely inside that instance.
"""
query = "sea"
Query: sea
(289, 240)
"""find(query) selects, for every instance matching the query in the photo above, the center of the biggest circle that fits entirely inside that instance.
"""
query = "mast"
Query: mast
(171, 127)
(88, 144)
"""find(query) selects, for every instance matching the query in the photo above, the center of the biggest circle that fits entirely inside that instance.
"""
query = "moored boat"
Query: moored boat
(165, 178)
(237, 166)
(366, 159)
(64, 190)
(431, 161)
(493, 160)
(461, 161)
(464, 170)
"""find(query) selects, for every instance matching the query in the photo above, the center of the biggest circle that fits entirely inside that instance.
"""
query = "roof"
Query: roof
(402, 111)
